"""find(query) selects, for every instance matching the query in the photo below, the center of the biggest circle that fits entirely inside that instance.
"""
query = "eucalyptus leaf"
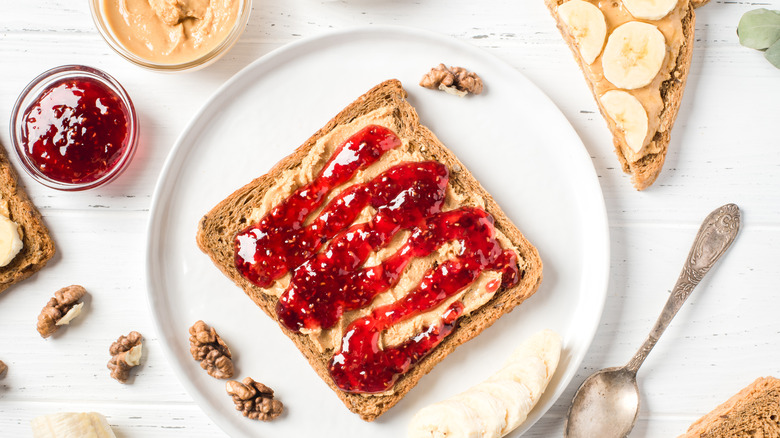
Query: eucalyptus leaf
(773, 54)
(759, 28)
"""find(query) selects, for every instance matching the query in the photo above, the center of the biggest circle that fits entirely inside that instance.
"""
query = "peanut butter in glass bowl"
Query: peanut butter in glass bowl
(171, 35)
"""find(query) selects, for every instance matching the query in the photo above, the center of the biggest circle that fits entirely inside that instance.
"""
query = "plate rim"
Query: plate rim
(163, 184)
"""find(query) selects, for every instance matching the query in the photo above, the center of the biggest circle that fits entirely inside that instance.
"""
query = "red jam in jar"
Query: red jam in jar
(76, 131)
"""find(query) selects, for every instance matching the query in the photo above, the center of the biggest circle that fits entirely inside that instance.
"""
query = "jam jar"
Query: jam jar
(74, 128)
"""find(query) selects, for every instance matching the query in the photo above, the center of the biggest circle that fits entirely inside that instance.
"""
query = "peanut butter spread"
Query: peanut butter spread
(670, 26)
(4, 210)
(472, 297)
(170, 31)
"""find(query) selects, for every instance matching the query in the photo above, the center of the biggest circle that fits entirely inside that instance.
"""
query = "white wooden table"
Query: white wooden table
(725, 148)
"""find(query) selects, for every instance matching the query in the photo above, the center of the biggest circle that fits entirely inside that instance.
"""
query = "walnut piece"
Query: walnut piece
(125, 354)
(255, 400)
(453, 80)
(3, 368)
(212, 352)
(61, 309)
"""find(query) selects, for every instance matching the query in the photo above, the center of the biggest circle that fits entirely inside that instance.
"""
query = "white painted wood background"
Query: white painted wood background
(725, 148)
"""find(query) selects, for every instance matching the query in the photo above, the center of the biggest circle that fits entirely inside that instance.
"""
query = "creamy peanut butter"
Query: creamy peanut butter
(649, 95)
(170, 31)
(472, 297)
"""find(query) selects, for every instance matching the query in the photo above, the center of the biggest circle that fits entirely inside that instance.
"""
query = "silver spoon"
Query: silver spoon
(607, 403)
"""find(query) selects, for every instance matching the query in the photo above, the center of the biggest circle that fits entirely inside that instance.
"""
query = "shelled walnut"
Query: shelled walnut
(125, 354)
(3, 368)
(61, 309)
(255, 400)
(453, 80)
(212, 352)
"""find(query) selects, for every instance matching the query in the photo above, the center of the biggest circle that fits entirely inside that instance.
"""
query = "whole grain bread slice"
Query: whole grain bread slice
(38, 246)
(751, 413)
(645, 170)
(217, 229)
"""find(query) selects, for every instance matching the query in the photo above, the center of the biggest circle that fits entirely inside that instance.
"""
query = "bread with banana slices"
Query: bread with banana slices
(635, 55)
(25, 242)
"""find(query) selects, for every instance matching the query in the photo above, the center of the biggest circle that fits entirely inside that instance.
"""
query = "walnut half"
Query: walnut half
(125, 354)
(453, 80)
(255, 400)
(212, 352)
(61, 309)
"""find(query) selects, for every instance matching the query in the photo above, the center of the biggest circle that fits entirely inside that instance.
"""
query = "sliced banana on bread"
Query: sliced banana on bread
(25, 243)
(635, 55)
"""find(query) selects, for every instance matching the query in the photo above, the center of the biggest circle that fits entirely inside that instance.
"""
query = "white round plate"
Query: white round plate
(512, 138)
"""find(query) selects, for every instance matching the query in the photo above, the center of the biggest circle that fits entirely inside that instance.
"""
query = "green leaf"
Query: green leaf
(759, 28)
(773, 54)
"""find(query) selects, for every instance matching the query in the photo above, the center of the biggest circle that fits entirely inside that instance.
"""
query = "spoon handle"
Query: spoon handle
(716, 234)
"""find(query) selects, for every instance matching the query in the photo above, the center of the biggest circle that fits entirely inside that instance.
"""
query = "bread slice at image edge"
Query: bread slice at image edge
(38, 246)
(754, 412)
(218, 228)
(645, 171)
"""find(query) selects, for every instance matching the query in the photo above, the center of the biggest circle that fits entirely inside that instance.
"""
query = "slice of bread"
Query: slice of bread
(751, 413)
(218, 228)
(37, 247)
(646, 165)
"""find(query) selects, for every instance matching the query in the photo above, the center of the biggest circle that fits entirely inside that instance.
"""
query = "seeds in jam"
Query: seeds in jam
(279, 242)
(326, 257)
(332, 281)
(76, 131)
(360, 365)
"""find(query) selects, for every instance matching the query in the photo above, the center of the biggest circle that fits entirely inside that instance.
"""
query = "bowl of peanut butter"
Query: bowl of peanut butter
(171, 35)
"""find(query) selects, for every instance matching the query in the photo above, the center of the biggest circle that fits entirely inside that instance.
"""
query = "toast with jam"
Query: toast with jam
(26, 243)
(374, 248)
(635, 55)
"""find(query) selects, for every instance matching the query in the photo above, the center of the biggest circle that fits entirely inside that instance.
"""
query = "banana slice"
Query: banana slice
(462, 417)
(634, 55)
(501, 403)
(71, 425)
(629, 115)
(586, 24)
(649, 9)
(10, 240)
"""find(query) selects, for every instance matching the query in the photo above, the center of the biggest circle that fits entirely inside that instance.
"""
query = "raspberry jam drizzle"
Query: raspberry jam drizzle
(327, 281)
(266, 251)
(76, 131)
(331, 281)
(360, 365)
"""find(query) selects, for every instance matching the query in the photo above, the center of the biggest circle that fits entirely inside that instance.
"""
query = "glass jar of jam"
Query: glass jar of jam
(74, 128)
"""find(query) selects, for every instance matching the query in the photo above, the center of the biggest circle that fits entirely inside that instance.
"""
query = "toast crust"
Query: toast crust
(217, 229)
(38, 246)
(645, 171)
(754, 411)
